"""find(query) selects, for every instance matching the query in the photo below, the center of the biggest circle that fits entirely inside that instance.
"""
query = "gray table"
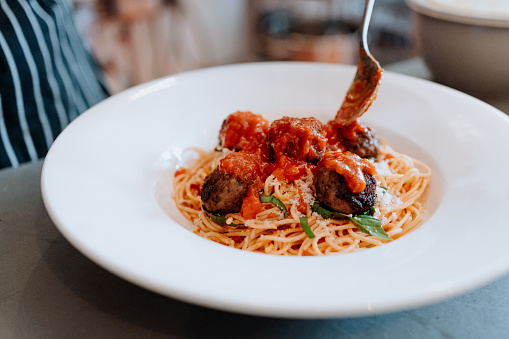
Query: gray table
(50, 290)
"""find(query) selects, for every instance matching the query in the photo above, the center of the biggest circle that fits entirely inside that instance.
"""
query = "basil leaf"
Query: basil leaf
(276, 202)
(364, 222)
(216, 218)
(371, 211)
(326, 214)
(305, 226)
(370, 225)
(368, 220)
(219, 219)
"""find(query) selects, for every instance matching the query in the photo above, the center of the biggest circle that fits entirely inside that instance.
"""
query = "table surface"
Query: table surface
(50, 290)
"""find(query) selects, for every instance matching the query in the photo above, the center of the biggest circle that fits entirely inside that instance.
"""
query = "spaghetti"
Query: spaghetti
(401, 184)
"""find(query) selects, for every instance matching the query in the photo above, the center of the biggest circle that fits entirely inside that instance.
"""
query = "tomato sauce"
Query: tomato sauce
(336, 133)
(350, 166)
(244, 131)
(251, 206)
(298, 138)
(290, 169)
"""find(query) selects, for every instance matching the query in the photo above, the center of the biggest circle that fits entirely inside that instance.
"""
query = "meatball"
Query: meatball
(365, 144)
(225, 188)
(333, 192)
(223, 193)
(302, 139)
(355, 137)
(243, 131)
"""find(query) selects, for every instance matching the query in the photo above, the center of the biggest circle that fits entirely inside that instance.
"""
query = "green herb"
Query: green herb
(276, 202)
(326, 214)
(364, 222)
(384, 189)
(219, 219)
(371, 211)
(370, 225)
(305, 226)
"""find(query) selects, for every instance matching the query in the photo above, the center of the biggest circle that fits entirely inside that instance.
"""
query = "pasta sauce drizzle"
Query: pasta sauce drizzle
(350, 167)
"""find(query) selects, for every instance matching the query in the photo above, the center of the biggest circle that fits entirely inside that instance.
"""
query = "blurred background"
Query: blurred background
(136, 41)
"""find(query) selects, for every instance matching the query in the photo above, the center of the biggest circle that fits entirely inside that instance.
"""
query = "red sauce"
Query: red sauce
(251, 206)
(298, 138)
(290, 169)
(336, 133)
(350, 166)
(244, 131)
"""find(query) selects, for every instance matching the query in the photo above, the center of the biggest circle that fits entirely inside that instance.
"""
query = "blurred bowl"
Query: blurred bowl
(465, 43)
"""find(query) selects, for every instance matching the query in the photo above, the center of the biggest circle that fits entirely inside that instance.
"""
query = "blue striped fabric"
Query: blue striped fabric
(47, 77)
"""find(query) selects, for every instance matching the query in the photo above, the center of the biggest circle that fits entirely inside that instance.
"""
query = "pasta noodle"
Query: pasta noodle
(401, 179)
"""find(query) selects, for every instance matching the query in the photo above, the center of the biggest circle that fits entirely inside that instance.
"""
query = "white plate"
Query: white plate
(105, 182)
